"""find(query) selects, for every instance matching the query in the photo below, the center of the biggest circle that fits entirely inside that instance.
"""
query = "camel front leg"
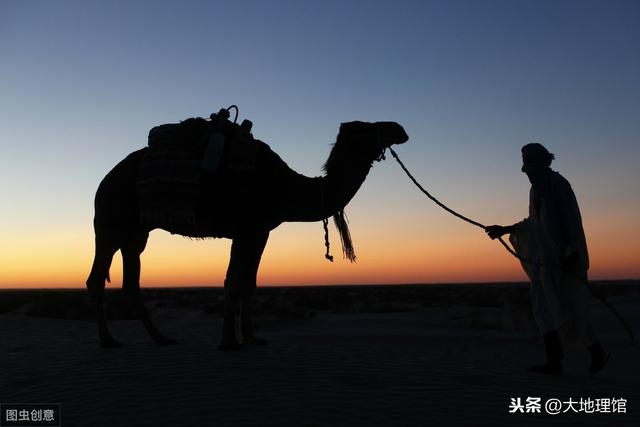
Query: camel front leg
(229, 340)
(239, 284)
(131, 284)
(246, 323)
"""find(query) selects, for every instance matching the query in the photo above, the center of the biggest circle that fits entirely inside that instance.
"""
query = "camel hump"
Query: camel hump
(214, 141)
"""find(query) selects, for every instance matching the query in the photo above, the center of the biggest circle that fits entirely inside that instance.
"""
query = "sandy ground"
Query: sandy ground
(432, 367)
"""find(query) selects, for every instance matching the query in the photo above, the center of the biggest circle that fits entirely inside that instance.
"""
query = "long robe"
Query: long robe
(553, 230)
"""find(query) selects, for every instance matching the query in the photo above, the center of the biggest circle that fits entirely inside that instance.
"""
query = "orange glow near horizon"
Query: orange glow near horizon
(295, 256)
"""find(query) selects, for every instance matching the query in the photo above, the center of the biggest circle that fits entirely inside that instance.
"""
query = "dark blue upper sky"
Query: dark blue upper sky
(81, 82)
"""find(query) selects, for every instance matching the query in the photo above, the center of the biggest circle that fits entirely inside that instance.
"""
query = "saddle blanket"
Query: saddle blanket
(168, 186)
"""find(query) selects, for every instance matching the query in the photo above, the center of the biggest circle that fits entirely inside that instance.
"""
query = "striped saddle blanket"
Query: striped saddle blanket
(168, 187)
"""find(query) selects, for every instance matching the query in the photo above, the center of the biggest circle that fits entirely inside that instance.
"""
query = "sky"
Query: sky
(82, 82)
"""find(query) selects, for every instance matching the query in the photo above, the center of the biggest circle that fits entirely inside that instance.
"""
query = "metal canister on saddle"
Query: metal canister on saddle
(214, 147)
(243, 150)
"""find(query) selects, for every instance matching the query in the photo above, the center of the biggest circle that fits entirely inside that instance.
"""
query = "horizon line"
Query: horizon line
(506, 282)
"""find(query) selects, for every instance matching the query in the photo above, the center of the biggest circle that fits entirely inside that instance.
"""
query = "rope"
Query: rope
(438, 202)
(325, 224)
(506, 246)
(237, 111)
(454, 213)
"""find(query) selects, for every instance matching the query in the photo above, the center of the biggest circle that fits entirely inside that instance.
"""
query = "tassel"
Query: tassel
(340, 220)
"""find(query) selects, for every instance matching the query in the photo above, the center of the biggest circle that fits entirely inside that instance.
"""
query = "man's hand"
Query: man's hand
(495, 231)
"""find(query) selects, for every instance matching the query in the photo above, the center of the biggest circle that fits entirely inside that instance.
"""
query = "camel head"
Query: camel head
(391, 133)
(358, 145)
(373, 138)
(366, 141)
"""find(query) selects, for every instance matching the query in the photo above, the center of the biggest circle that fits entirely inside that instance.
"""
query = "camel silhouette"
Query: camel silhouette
(242, 205)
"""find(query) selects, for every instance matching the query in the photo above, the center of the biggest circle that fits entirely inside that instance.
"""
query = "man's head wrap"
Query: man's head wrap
(535, 154)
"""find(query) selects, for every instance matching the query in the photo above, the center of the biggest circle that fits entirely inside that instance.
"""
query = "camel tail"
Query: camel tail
(108, 277)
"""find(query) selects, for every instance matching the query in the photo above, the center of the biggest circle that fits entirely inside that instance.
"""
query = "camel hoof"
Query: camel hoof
(254, 341)
(165, 341)
(232, 346)
(111, 343)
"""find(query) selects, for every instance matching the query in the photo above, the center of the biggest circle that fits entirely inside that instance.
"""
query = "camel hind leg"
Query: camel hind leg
(131, 251)
(105, 249)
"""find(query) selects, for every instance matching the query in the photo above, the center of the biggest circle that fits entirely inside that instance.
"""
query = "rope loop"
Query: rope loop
(325, 224)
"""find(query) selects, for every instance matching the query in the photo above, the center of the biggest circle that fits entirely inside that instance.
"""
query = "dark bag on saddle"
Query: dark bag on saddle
(209, 140)
(189, 135)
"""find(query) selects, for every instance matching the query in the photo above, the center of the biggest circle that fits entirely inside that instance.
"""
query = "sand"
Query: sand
(444, 365)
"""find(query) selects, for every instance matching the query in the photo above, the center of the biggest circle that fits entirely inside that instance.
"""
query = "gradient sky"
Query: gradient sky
(81, 83)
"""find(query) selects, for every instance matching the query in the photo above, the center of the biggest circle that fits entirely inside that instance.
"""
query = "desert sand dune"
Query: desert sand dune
(435, 366)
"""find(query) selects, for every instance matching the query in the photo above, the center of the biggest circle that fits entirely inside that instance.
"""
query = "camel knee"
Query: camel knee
(95, 286)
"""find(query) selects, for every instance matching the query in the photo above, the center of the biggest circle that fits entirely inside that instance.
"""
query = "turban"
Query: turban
(536, 154)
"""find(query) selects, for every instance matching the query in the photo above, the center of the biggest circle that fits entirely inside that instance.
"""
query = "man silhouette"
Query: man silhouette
(553, 239)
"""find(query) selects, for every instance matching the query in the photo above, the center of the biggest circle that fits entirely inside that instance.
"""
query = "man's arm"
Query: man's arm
(496, 231)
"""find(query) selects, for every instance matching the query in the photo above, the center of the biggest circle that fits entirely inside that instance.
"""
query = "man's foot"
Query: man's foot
(254, 341)
(162, 340)
(548, 369)
(599, 362)
(230, 346)
(110, 343)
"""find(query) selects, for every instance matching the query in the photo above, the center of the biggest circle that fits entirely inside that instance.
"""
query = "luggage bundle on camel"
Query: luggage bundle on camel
(181, 155)
(209, 139)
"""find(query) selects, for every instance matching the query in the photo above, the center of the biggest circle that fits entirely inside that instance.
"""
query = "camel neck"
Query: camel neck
(340, 185)
(314, 199)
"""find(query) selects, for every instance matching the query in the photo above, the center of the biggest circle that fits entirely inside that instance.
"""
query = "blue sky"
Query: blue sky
(81, 83)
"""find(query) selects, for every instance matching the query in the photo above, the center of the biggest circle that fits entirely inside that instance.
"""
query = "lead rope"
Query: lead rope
(454, 213)
(507, 247)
